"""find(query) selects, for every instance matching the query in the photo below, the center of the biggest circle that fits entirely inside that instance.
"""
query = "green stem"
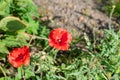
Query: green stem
(22, 72)
(33, 36)
(46, 48)
(55, 51)
(3, 71)
(113, 7)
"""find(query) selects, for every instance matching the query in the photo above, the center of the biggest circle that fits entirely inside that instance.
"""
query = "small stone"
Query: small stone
(81, 19)
(70, 5)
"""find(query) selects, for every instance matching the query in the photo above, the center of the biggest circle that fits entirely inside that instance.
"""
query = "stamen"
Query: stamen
(59, 40)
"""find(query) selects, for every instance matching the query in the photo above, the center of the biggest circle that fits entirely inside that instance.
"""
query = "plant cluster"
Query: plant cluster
(108, 4)
(31, 51)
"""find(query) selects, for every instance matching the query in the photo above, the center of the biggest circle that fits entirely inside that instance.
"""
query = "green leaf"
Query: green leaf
(3, 5)
(29, 73)
(19, 74)
(12, 24)
(3, 48)
(3, 8)
(6, 78)
(15, 41)
(33, 27)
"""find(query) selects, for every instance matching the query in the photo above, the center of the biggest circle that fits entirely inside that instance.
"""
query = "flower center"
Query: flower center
(20, 57)
(59, 40)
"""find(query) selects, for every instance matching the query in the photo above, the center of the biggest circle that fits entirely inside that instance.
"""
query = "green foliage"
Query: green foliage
(6, 78)
(43, 32)
(117, 9)
(3, 48)
(24, 71)
(13, 24)
(109, 5)
(27, 11)
(4, 8)
(33, 26)
(102, 65)
(94, 62)
(109, 54)
(23, 10)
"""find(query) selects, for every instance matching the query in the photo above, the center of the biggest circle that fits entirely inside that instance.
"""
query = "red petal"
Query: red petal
(59, 38)
(15, 58)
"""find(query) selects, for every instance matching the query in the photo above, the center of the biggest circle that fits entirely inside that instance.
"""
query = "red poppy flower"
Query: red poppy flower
(59, 38)
(19, 56)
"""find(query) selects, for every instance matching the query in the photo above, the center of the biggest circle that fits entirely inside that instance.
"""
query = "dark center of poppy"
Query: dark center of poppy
(59, 40)
(20, 57)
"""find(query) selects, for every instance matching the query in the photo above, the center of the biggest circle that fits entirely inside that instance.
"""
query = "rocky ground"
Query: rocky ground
(77, 16)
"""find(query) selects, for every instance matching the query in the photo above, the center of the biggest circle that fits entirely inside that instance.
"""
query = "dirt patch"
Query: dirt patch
(77, 16)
